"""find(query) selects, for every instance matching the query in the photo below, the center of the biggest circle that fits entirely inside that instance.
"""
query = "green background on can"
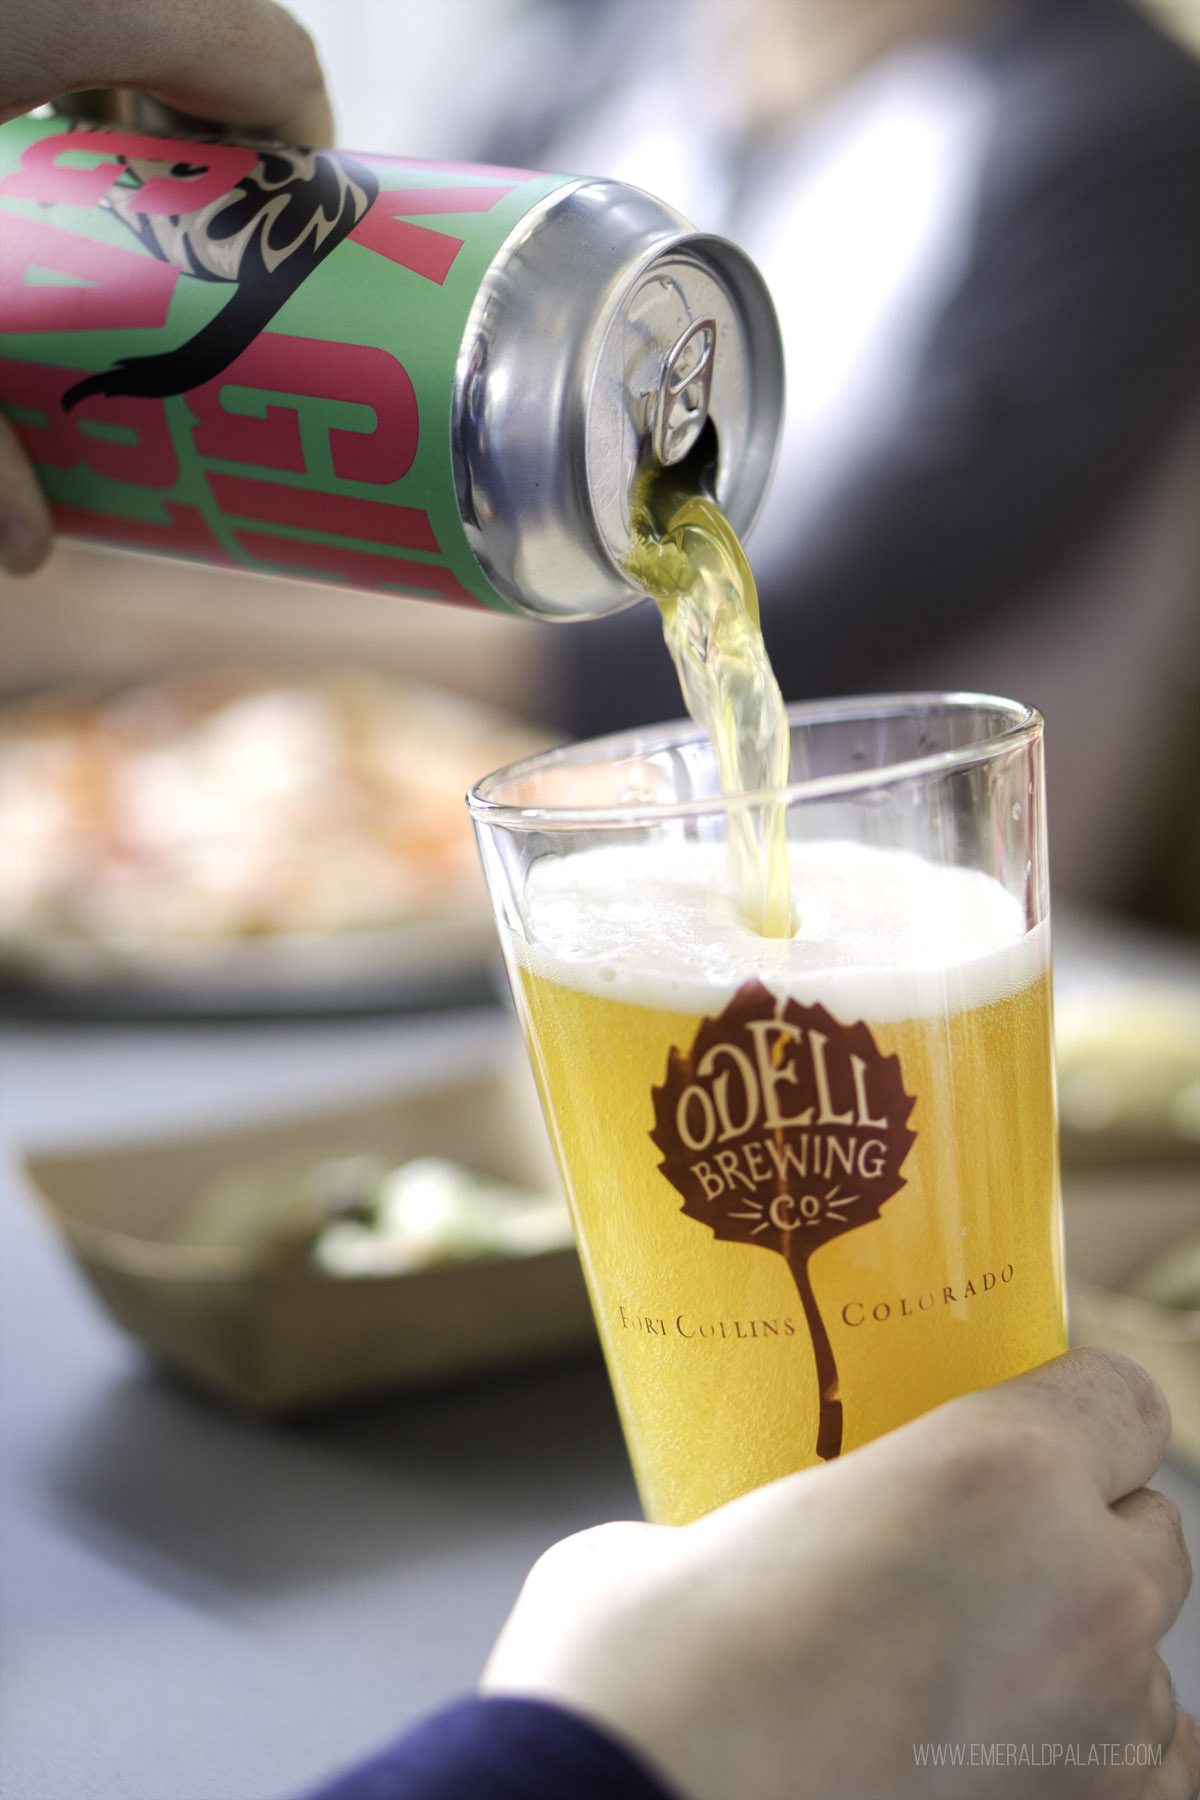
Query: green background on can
(355, 296)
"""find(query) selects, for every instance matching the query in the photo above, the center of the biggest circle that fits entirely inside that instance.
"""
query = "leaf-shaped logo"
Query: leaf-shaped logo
(783, 1127)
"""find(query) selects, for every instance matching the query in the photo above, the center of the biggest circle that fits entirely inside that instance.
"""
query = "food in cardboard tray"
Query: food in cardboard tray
(354, 1216)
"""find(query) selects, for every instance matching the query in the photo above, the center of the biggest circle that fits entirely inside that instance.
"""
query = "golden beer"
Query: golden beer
(737, 1354)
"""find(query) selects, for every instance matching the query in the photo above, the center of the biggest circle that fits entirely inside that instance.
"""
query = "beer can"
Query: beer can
(426, 378)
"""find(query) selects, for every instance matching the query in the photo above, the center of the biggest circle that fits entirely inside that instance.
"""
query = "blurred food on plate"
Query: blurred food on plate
(180, 822)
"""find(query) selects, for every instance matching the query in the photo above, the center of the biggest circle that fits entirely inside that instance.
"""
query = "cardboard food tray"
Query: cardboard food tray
(288, 1338)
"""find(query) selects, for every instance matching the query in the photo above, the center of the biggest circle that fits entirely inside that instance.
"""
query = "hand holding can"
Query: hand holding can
(433, 379)
(247, 63)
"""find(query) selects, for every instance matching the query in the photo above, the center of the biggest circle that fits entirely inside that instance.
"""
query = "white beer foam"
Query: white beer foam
(883, 935)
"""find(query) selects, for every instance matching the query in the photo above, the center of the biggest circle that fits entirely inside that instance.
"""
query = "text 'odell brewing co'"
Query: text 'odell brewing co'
(782, 1127)
(424, 378)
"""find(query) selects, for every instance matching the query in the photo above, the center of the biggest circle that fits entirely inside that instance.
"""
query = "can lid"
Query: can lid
(607, 332)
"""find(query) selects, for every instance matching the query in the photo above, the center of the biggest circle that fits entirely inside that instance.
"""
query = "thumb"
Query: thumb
(26, 533)
(1178, 1775)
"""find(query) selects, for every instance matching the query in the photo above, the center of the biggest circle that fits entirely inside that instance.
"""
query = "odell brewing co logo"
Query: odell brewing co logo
(784, 1128)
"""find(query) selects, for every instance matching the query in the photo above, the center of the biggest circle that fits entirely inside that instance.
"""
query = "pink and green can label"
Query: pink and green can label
(246, 355)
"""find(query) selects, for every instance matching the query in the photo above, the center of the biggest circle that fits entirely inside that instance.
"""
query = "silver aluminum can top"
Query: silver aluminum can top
(606, 332)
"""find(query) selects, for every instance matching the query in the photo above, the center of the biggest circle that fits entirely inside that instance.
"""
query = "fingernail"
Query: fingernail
(20, 542)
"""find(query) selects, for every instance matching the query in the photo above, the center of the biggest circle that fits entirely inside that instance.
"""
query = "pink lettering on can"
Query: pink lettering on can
(316, 369)
(358, 568)
(386, 228)
(341, 515)
(111, 289)
(185, 533)
(61, 440)
(212, 169)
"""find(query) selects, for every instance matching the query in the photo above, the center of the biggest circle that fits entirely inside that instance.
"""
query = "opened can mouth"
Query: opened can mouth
(607, 334)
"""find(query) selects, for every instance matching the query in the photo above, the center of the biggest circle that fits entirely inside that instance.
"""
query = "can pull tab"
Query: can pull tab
(685, 391)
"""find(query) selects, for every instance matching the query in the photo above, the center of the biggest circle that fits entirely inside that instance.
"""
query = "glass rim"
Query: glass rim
(1024, 723)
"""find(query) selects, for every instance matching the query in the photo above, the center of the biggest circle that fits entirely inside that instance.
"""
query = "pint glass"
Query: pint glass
(814, 1178)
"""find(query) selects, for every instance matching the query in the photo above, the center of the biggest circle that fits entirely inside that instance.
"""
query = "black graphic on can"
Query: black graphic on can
(264, 237)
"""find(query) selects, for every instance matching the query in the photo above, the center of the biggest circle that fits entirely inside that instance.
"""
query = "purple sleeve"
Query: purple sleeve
(499, 1749)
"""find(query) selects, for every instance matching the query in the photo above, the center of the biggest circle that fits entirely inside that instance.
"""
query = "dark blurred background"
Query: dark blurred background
(980, 220)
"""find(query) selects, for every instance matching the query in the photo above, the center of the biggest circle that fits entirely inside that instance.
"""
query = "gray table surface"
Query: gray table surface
(195, 1607)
